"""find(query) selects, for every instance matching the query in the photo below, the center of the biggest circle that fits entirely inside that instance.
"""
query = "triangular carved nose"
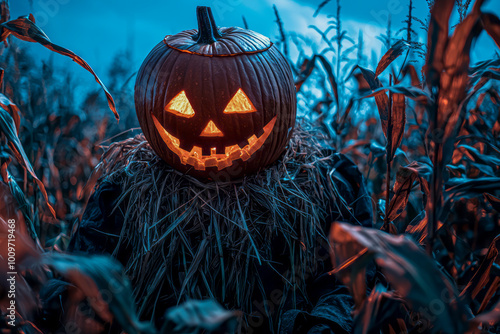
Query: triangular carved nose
(211, 130)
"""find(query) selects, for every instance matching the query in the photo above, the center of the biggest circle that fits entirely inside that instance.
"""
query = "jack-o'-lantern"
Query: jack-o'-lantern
(216, 102)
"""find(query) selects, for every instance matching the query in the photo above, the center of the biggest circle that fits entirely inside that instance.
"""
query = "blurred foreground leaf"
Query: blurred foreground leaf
(100, 276)
(412, 274)
(205, 316)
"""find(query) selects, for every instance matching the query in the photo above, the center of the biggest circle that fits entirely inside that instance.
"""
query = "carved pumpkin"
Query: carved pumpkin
(216, 102)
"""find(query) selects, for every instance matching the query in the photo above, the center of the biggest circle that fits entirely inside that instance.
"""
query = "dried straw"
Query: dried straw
(194, 239)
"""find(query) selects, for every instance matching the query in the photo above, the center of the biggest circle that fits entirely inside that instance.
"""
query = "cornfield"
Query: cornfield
(422, 125)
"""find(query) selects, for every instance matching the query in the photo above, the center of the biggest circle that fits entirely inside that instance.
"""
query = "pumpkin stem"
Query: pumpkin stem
(207, 29)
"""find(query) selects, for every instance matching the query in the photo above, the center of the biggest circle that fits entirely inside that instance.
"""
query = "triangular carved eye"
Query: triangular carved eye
(180, 106)
(239, 104)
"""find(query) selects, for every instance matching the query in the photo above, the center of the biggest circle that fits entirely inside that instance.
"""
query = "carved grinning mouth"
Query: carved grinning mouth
(199, 161)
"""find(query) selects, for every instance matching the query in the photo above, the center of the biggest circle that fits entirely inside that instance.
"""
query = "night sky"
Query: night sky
(98, 29)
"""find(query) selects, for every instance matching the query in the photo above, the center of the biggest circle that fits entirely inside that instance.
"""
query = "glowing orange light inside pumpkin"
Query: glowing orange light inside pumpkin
(199, 161)
(240, 104)
(180, 106)
(211, 130)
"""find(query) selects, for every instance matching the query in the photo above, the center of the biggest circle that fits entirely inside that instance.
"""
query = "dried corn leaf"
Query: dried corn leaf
(8, 128)
(25, 29)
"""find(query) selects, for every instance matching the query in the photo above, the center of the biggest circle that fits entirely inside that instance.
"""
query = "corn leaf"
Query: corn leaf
(483, 274)
(411, 92)
(392, 54)
(307, 69)
(205, 316)
(381, 98)
(8, 128)
(95, 276)
(12, 109)
(493, 200)
(405, 179)
(412, 274)
(25, 29)
(491, 23)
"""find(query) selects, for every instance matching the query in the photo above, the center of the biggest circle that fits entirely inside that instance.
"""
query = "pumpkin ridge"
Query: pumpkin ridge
(278, 102)
(259, 114)
(144, 82)
(163, 67)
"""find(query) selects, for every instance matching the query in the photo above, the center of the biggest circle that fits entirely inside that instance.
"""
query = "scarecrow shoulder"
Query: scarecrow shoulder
(100, 227)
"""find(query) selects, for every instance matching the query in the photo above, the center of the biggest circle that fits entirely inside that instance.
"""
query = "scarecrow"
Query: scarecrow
(223, 196)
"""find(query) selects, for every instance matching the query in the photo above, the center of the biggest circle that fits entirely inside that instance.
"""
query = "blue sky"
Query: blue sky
(98, 29)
